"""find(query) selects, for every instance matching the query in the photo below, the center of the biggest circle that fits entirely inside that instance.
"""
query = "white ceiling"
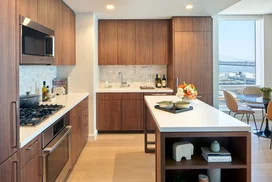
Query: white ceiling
(249, 7)
(149, 9)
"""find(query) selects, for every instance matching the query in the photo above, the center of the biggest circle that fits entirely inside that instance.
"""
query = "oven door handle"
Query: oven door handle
(51, 147)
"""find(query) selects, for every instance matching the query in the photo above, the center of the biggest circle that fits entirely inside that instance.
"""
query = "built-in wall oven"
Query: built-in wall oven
(56, 150)
(36, 43)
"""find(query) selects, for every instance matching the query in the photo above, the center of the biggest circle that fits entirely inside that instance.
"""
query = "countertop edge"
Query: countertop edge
(55, 118)
(136, 90)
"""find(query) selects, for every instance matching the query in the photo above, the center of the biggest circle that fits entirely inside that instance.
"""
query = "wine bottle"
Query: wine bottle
(159, 82)
(44, 92)
(163, 81)
(156, 81)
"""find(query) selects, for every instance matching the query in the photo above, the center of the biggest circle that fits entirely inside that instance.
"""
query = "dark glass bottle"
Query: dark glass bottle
(156, 81)
(164, 81)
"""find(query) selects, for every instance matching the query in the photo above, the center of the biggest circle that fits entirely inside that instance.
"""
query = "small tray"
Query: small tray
(146, 87)
(174, 110)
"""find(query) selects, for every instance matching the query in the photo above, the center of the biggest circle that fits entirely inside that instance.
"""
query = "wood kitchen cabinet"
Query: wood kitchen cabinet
(119, 112)
(9, 66)
(29, 9)
(144, 36)
(107, 38)
(66, 37)
(79, 133)
(126, 30)
(44, 13)
(9, 169)
(33, 171)
(160, 42)
(192, 55)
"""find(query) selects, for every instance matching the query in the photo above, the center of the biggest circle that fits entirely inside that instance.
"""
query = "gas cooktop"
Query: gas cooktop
(33, 116)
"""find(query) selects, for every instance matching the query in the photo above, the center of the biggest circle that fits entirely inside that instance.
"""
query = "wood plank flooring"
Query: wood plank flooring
(121, 158)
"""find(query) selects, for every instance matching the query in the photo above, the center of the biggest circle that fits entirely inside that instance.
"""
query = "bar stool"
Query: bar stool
(253, 90)
(268, 115)
(233, 107)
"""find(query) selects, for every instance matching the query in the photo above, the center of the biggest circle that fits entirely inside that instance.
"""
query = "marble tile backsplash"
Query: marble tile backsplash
(131, 73)
(32, 77)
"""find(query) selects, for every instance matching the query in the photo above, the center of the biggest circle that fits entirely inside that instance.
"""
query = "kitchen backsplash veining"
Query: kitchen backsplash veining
(32, 77)
(131, 73)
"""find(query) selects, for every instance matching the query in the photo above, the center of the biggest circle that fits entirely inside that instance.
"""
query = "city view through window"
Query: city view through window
(237, 49)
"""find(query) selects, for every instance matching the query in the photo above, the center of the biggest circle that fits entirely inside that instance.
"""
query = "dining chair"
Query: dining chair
(233, 107)
(268, 115)
(253, 90)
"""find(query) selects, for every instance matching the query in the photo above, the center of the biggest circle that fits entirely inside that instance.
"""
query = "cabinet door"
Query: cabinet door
(44, 11)
(107, 42)
(9, 67)
(132, 116)
(183, 24)
(193, 64)
(160, 42)
(29, 9)
(66, 37)
(144, 42)
(33, 171)
(75, 139)
(109, 115)
(202, 24)
(126, 42)
(9, 170)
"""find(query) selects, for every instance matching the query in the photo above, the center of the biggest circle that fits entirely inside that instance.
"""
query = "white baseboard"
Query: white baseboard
(93, 136)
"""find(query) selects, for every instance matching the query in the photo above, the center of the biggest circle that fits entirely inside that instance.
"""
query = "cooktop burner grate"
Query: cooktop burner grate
(33, 116)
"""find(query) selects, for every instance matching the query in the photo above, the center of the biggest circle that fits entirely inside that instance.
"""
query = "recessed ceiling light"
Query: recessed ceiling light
(189, 6)
(110, 6)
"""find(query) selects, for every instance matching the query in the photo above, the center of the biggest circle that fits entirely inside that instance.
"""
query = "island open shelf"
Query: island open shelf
(201, 126)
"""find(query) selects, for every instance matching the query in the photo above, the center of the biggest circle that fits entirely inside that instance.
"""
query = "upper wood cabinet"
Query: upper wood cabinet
(9, 77)
(126, 42)
(107, 38)
(44, 13)
(160, 42)
(66, 37)
(184, 24)
(29, 8)
(144, 36)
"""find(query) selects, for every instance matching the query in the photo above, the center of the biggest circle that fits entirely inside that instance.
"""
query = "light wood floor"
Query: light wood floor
(121, 158)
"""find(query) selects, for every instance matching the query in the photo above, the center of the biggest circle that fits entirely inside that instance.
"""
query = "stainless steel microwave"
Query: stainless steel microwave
(36, 43)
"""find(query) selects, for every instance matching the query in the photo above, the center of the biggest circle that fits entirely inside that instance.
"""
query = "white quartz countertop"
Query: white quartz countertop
(203, 118)
(27, 133)
(132, 89)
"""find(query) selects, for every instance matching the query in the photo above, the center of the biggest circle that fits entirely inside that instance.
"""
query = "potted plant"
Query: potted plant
(266, 92)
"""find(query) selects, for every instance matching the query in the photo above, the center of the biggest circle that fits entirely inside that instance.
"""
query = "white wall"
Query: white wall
(84, 75)
(268, 50)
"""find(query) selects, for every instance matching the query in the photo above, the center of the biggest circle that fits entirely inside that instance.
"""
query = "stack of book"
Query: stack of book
(222, 156)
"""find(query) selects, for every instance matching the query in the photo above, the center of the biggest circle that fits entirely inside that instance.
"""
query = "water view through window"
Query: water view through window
(237, 52)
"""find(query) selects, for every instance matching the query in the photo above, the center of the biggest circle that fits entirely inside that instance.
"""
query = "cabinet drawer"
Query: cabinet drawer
(75, 111)
(119, 96)
(30, 150)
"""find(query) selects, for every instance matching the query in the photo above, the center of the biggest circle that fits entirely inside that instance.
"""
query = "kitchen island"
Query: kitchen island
(200, 126)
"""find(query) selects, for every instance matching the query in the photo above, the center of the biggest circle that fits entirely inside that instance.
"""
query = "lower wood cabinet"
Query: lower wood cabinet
(79, 134)
(119, 112)
(33, 171)
(9, 170)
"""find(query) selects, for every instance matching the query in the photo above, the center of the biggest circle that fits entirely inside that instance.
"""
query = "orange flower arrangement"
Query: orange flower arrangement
(187, 90)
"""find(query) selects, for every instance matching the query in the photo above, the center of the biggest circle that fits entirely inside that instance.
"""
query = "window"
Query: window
(240, 54)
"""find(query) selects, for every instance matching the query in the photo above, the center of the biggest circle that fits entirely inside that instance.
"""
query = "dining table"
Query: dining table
(258, 99)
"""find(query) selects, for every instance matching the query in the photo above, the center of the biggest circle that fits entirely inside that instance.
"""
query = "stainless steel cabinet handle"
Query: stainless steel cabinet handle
(199, 97)
(15, 171)
(31, 147)
(158, 94)
(14, 125)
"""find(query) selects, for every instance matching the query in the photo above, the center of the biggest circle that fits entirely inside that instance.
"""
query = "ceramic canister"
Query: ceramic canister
(203, 178)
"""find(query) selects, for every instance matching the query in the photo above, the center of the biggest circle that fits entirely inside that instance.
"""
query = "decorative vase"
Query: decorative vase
(215, 146)
(267, 95)
(214, 175)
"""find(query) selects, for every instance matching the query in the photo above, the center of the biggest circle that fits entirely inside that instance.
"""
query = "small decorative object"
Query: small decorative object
(203, 178)
(187, 91)
(214, 175)
(182, 104)
(166, 104)
(182, 149)
(266, 92)
(215, 146)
